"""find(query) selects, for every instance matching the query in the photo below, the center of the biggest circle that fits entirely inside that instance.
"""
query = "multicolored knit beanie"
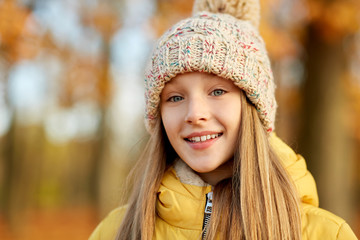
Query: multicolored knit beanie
(220, 38)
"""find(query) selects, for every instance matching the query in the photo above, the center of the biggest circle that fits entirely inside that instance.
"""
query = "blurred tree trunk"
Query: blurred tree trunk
(99, 150)
(9, 162)
(23, 157)
(106, 21)
(324, 140)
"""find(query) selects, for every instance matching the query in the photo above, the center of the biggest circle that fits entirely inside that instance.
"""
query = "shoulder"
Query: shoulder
(295, 166)
(108, 227)
(321, 224)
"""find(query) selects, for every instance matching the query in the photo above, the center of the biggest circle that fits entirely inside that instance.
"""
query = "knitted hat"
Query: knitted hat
(220, 38)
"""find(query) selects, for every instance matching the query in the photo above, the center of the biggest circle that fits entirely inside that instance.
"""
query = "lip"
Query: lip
(203, 133)
(205, 144)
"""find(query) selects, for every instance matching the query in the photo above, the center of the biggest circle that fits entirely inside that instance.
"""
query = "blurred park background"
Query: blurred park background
(71, 103)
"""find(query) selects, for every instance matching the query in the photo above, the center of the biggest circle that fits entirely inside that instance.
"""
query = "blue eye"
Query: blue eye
(175, 99)
(217, 92)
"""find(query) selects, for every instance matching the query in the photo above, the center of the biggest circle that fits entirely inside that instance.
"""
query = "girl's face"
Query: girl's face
(201, 116)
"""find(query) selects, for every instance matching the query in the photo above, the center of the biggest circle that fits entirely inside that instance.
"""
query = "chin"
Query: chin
(204, 169)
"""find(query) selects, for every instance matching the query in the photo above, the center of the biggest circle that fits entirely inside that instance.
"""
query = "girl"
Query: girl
(213, 168)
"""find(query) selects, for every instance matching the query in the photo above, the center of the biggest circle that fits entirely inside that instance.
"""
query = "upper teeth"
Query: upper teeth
(203, 138)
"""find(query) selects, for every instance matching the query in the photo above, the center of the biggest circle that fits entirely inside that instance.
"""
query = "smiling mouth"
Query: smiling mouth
(203, 138)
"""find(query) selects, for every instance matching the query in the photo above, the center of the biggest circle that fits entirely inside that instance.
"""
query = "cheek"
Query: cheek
(169, 120)
(231, 115)
(164, 119)
(237, 117)
(237, 122)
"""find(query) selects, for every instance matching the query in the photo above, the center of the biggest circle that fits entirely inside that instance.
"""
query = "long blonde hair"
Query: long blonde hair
(258, 202)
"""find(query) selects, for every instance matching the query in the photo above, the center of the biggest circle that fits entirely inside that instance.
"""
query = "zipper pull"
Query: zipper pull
(207, 213)
(208, 206)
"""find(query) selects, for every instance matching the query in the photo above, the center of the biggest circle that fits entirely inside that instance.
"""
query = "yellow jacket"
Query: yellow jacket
(181, 203)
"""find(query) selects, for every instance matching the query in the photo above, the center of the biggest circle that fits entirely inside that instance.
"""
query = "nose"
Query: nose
(197, 111)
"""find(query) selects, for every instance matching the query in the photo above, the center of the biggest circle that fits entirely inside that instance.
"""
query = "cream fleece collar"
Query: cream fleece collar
(186, 175)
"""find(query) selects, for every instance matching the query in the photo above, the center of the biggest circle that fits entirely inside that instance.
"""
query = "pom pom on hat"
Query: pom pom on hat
(248, 10)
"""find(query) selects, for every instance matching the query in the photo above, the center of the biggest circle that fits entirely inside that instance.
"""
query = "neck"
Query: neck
(222, 172)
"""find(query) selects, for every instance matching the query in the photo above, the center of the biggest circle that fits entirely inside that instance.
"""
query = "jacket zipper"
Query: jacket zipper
(207, 213)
